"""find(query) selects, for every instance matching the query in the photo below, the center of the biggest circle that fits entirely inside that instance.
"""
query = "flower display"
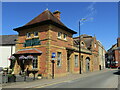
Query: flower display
(30, 57)
(12, 58)
(22, 57)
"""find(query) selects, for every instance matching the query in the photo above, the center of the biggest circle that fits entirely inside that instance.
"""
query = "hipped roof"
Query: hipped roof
(8, 39)
(28, 51)
(46, 17)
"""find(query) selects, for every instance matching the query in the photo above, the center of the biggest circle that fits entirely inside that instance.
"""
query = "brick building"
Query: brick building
(46, 34)
(88, 52)
(113, 55)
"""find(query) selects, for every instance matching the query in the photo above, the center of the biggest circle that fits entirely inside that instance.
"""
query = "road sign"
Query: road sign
(53, 55)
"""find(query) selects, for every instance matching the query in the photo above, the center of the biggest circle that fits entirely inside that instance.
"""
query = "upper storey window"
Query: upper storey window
(95, 45)
(35, 34)
(65, 36)
(28, 35)
(82, 44)
(59, 34)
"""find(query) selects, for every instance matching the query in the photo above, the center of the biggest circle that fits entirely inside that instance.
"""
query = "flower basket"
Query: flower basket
(22, 57)
(12, 58)
(30, 57)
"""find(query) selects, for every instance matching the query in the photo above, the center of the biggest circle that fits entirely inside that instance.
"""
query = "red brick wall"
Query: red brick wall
(117, 56)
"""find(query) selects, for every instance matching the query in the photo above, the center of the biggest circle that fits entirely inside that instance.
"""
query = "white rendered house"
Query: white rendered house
(7, 48)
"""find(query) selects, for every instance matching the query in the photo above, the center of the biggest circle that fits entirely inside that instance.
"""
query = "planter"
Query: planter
(39, 77)
(11, 78)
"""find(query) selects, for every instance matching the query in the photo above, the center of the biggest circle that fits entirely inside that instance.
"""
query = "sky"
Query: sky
(101, 17)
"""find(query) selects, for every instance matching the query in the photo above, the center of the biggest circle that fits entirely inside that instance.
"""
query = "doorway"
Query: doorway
(87, 64)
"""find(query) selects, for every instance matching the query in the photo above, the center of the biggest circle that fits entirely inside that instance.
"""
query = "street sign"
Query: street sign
(53, 59)
(53, 55)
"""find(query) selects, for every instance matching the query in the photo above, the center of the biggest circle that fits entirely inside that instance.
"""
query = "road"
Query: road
(106, 79)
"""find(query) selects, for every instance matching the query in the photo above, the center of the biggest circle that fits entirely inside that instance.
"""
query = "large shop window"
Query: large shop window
(76, 60)
(32, 42)
(59, 54)
(35, 62)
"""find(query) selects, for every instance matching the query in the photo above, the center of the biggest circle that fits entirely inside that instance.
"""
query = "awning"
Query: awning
(30, 51)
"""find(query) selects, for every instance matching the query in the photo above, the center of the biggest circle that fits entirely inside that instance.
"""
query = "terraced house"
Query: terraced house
(46, 34)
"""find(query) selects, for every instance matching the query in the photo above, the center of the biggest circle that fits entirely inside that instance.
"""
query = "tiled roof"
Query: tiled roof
(28, 51)
(88, 42)
(86, 38)
(8, 39)
(45, 17)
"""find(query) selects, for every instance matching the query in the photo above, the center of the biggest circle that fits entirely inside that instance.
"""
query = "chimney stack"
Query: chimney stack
(57, 14)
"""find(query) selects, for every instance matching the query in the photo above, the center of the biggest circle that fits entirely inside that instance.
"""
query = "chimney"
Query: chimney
(57, 14)
(118, 42)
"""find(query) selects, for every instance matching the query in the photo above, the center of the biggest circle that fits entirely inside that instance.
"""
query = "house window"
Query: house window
(35, 34)
(35, 62)
(28, 35)
(59, 54)
(59, 34)
(32, 42)
(76, 60)
(65, 36)
(95, 45)
(82, 44)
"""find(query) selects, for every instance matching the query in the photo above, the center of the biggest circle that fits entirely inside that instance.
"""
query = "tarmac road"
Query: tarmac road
(106, 79)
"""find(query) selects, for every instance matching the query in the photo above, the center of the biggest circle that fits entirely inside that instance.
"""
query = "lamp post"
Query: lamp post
(80, 45)
(53, 61)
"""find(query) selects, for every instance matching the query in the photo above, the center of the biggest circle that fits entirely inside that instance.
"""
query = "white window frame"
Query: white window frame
(28, 35)
(35, 35)
(59, 58)
(65, 36)
(60, 36)
(35, 62)
(82, 43)
(76, 60)
(95, 45)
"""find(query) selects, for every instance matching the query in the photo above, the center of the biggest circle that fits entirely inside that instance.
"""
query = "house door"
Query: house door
(87, 64)
(68, 60)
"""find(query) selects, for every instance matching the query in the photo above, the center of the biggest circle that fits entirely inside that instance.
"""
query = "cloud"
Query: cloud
(91, 11)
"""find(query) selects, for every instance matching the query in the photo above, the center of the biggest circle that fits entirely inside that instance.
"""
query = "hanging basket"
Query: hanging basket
(12, 58)
(30, 57)
(22, 57)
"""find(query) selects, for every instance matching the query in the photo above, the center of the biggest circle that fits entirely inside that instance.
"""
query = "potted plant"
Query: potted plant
(11, 78)
(39, 76)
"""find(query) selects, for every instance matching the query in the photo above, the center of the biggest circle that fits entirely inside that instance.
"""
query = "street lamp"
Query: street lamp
(80, 45)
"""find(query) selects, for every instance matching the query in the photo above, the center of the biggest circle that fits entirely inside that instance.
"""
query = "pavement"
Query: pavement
(47, 82)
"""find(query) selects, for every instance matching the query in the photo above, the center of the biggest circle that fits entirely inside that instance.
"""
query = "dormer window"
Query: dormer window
(65, 36)
(28, 35)
(82, 44)
(35, 34)
(59, 34)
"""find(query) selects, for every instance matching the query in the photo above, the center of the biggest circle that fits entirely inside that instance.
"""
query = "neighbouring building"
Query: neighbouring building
(45, 35)
(89, 52)
(7, 48)
(101, 52)
(113, 55)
